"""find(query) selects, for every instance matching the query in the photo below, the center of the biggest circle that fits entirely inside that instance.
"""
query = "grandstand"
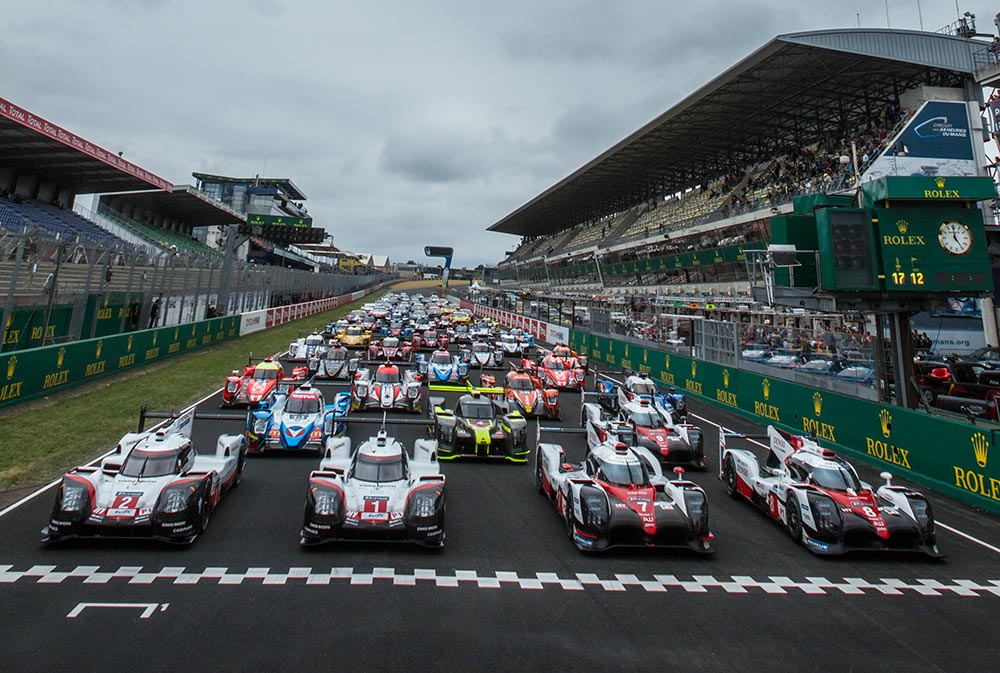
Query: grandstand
(815, 112)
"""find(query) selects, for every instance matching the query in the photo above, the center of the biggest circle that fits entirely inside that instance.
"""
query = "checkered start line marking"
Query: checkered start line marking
(736, 584)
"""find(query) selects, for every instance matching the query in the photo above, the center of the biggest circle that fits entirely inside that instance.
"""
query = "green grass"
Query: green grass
(43, 439)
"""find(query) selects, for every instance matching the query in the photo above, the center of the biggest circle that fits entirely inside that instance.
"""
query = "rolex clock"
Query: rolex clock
(954, 237)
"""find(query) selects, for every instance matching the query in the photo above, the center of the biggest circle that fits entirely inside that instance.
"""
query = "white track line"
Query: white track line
(95, 461)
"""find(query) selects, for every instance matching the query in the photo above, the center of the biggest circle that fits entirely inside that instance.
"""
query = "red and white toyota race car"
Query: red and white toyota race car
(618, 496)
(553, 372)
(641, 423)
(817, 496)
(388, 387)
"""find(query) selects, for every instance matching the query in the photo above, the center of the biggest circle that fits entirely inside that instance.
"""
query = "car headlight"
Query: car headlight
(697, 509)
(462, 431)
(232, 386)
(259, 426)
(825, 514)
(594, 507)
(424, 503)
(75, 496)
(326, 502)
(175, 499)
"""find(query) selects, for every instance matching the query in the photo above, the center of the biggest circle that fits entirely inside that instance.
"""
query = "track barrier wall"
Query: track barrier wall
(33, 373)
(950, 455)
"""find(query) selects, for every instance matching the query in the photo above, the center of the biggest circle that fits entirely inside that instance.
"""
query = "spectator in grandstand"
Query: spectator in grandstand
(50, 282)
(154, 312)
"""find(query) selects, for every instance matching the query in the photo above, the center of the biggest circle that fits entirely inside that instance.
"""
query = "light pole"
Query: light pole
(600, 276)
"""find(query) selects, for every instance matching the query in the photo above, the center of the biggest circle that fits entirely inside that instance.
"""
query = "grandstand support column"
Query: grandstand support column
(902, 359)
(600, 276)
(989, 311)
(185, 291)
(169, 270)
(232, 231)
(128, 292)
(105, 288)
(52, 292)
(80, 306)
(8, 306)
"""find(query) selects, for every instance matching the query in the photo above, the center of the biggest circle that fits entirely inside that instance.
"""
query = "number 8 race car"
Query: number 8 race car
(817, 496)
(154, 485)
(618, 496)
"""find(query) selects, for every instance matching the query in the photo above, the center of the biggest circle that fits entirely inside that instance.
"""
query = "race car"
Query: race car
(443, 367)
(527, 340)
(426, 340)
(377, 492)
(306, 347)
(480, 427)
(390, 348)
(388, 387)
(819, 499)
(298, 419)
(640, 423)
(525, 392)
(333, 364)
(553, 372)
(510, 344)
(355, 336)
(154, 485)
(641, 387)
(461, 334)
(618, 496)
(569, 356)
(485, 356)
(253, 385)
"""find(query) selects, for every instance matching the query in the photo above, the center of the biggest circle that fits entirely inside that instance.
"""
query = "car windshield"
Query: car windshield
(150, 463)
(477, 410)
(838, 478)
(354, 331)
(302, 405)
(507, 338)
(430, 335)
(480, 348)
(337, 354)
(644, 388)
(441, 358)
(265, 373)
(552, 363)
(627, 474)
(379, 468)
(646, 418)
(314, 340)
(520, 383)
(387, 376)
(562, 352)
(391, 342)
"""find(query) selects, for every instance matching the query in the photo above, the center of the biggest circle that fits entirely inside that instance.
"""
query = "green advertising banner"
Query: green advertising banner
(947, 454)
(25, 325)
(279, 221)
(34, 373)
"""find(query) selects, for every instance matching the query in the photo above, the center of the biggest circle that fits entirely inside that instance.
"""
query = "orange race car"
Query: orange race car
(526, 393)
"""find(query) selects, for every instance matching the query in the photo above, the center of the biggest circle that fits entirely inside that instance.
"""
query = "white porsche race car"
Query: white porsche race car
(376, 493)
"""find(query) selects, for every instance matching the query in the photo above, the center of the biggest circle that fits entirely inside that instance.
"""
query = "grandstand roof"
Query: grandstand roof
(30, 145)
(185, 203)
(787, 93)
(285, 184)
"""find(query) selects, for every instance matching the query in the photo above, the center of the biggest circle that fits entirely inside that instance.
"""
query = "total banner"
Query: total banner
(947, 454)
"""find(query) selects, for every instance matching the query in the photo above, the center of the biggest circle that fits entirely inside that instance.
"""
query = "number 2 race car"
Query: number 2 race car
(154, 485)
(376, 493)
(618, 496)
(817, 496)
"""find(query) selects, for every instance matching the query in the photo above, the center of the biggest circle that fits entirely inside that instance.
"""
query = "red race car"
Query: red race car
(255, 384)
(525, 392)
(553, 372)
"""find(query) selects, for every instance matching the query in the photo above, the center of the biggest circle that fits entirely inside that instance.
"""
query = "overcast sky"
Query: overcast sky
(405, 123)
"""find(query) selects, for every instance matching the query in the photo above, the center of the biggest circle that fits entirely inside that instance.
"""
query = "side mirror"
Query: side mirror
(887, 476)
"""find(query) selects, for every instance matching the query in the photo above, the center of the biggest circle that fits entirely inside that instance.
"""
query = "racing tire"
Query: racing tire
(729, 477)
(240, 466)
(793, 517)
(538, 476)
(568, 522)
(204, 515)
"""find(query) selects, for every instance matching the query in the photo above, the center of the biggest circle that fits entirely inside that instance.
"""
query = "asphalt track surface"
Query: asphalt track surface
(508, 592)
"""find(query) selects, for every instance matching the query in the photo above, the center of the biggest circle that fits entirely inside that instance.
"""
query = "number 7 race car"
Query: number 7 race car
(154, 485)
(643, 424)
(817, 496)
(378, 492)
(618, 496)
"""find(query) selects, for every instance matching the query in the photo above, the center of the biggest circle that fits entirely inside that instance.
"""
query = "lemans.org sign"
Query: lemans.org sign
(279, 221)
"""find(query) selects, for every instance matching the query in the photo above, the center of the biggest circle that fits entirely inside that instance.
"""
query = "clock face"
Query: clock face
(955, 237)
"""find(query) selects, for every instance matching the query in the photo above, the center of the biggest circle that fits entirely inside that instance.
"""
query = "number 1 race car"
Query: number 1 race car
(618, 496)
(641, 423)
(388, 387)
(154, 485)
(479, 427)
(377, 492)
(817, 496)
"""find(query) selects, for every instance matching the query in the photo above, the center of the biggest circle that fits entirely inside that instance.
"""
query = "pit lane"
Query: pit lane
(509, 591)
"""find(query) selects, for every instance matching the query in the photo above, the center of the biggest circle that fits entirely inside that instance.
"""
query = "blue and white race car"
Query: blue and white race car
(443, 367)
(299, 419)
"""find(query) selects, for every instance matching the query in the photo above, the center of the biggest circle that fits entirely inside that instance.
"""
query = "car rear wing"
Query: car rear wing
(556, 430)
(726, 435)
(465, 388)
(182, 422)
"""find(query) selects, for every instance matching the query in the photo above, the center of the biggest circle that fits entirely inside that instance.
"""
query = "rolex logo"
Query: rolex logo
(626, 350)
(60, 357)
(105, 301)
(885, 422)
(128, 346)
(981, 446)
(100, 347)
(902, 225)
(725, 378)
(645, 356)
(11, 364)
(666, 361)
(154, 337)
(694, 368)
(939, 181)
(193, 328)
(177, 333)
(817, 403)
(766, 385)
